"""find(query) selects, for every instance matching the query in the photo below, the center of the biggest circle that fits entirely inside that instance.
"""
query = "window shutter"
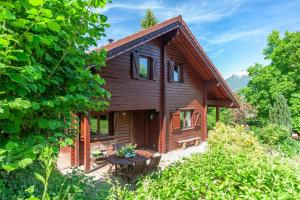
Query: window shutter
(171, 71)
(183, 74)
(175, 120)
(197, 119)
(154, 68)
(135, 66)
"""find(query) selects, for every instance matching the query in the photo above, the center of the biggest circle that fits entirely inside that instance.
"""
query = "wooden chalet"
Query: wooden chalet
(161, 82)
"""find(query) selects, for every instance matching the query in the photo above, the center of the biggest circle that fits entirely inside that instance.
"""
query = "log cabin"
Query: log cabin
(161, 82)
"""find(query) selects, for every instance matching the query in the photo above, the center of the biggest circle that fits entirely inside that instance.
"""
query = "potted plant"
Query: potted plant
(127, 151)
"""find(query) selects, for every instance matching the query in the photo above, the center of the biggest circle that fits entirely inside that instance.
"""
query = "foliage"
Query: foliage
(45, 73)
(127, 151)
(272, 134)
(235, 166)
(280, 113)
(279, 138)
(225, 116)
(149, 19)
(22, 184)
(245, 114)
(281, 76)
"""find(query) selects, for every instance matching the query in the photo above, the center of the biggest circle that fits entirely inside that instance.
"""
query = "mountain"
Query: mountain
(238, 81)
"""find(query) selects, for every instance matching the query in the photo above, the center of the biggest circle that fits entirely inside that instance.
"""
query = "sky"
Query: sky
(233, 33)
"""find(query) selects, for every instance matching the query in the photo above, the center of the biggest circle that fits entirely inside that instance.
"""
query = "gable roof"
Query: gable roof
(190, 46)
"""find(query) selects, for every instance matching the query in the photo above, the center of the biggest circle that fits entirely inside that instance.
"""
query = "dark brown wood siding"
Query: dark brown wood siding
(128, 93)
(182, 95)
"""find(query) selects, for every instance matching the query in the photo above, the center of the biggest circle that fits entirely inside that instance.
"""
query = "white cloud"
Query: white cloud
(234, 35)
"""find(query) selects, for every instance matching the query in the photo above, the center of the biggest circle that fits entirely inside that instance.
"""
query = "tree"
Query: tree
(149, 19)
(280, 113)
(281, 76)
(45, 73)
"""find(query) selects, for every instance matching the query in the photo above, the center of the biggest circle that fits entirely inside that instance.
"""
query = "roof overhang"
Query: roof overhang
(186, 40)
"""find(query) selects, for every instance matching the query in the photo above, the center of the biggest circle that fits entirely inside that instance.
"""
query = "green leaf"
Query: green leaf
(25, 162)
(11, 145)
(10, 167)
(53, 26)
(39, 177)
(36, 2)
(43, 123)
(17, 78)
(69, 141)
(35, 105)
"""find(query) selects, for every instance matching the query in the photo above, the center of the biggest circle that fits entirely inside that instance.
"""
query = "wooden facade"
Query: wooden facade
(150, 112)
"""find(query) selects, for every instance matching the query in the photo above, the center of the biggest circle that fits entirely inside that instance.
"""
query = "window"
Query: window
(177, 74)
(186, 119)
(100, 125)
(144, 64)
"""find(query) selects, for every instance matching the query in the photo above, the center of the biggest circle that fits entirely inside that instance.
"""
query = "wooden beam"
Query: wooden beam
(221, 103)
(169, 37)
(85, 130)
(217, 113)
(204, 117)
(210, 85)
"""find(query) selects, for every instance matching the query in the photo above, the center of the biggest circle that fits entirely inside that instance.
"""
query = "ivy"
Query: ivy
(45, 73)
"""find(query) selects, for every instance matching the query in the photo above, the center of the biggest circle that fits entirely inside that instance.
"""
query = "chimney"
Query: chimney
(110, 40)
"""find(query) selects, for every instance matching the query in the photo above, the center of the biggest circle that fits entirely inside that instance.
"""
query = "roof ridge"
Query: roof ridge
(141, 32)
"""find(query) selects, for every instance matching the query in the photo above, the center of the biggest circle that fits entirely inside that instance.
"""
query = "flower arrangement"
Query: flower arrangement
(127, 151)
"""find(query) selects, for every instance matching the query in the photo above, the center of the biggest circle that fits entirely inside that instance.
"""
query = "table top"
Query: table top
(142, 155)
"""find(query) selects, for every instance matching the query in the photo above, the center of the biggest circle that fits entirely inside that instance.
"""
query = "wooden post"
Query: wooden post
(204, 117)
(217, 113)
(75, 150)
(85, 131)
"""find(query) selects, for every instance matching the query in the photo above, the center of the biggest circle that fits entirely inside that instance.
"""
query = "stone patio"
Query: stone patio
(100, 173)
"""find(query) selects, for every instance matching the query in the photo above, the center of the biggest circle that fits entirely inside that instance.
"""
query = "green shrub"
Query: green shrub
(279, 138)
(76, 185)
(234, 167)
(273, 134)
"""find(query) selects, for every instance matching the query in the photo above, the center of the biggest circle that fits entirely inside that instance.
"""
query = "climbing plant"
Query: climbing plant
(45, 73)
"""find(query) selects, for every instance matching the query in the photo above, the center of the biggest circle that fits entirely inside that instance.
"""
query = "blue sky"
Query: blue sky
(233, 33)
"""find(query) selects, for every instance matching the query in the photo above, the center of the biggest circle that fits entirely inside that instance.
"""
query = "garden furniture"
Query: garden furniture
(183, 142)
(154, 163)
(138, 169)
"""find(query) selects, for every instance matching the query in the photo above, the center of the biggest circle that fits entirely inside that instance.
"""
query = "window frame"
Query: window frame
(149, 60)
(98, 133)
(184, 111)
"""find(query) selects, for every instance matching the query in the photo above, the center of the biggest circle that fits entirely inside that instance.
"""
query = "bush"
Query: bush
(21, 184)
(279, 138)
(273, 134)
(234, 167)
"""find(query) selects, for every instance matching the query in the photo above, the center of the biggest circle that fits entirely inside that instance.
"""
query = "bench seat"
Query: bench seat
(183, 142)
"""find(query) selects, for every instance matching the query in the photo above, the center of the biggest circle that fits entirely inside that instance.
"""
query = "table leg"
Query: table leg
(116, 166)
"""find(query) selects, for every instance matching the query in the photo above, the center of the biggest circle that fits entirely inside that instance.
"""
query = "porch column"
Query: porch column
(204, 117)
(217, 113)
(75, 148)
(85, 131)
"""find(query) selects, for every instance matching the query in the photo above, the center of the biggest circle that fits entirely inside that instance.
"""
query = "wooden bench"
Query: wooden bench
(183, 142)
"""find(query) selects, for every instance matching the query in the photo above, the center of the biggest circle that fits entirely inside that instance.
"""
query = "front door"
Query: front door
(139, 128)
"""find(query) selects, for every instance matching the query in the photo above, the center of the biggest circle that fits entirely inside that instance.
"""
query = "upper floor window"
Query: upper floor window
(144, 67)
(186, 119)
(177, 74)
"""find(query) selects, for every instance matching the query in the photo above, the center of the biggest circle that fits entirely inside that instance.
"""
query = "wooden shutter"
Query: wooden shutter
(183, 74)
(197, 119)
(154, 69)
(175, 120)
(135, 66)
(171, 71)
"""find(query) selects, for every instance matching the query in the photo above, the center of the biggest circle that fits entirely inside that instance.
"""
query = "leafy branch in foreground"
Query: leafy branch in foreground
(44, 73)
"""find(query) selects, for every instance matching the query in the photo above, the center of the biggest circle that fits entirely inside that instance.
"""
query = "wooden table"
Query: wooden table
(142, 155)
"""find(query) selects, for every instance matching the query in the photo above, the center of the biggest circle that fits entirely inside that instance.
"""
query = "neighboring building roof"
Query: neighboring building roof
(187, 42)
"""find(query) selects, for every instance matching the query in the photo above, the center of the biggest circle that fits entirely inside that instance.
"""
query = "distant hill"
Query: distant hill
(238, 81)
